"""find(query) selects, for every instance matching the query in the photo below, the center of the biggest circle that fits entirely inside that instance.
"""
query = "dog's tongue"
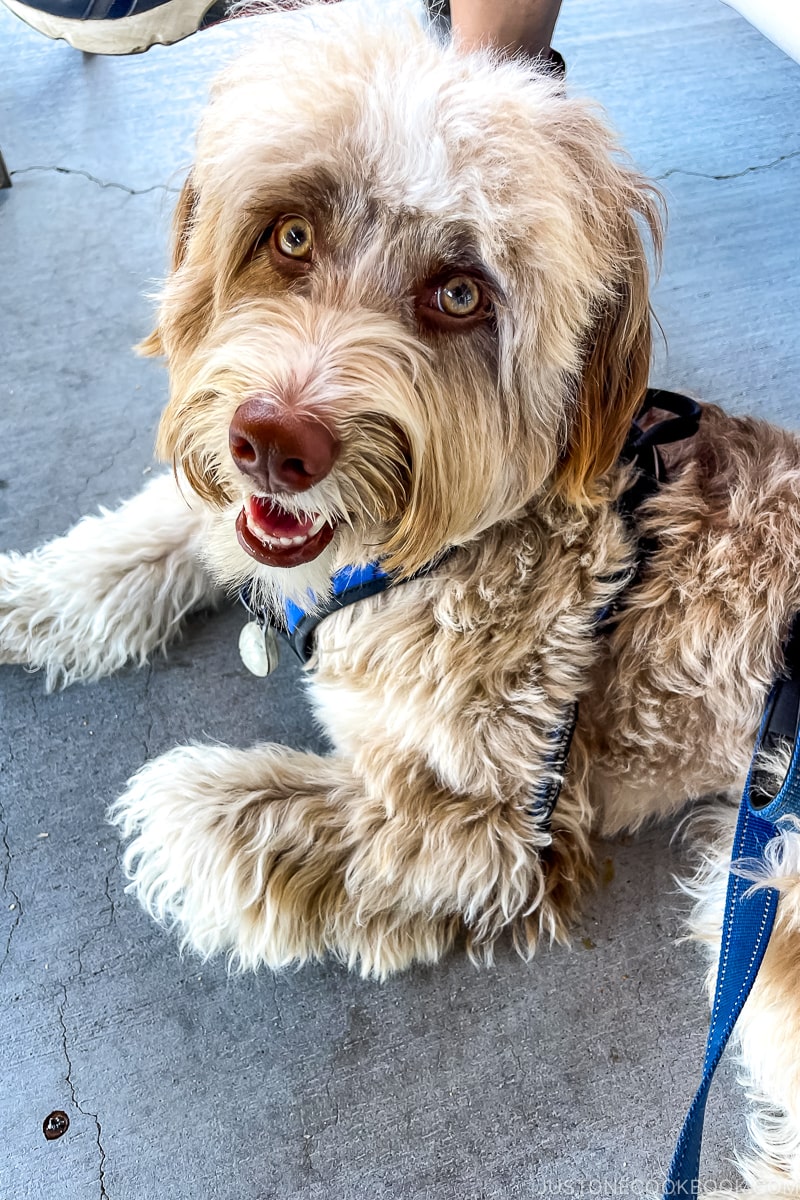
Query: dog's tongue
(272, 536)
(277, 522)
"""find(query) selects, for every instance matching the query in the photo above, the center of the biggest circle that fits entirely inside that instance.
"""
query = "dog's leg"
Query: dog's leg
(265, 854)
(114, 589)
(768, 1030)
(276, 856)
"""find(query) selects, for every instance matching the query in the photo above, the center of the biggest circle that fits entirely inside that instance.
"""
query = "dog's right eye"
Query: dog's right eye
(293, 238)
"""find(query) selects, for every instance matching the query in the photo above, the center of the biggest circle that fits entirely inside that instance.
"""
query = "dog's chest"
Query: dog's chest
(502, 638)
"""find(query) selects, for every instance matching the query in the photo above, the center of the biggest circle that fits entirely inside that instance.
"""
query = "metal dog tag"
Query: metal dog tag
(258, 648)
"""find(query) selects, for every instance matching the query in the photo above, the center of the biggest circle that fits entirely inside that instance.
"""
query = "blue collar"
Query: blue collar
(348, 585)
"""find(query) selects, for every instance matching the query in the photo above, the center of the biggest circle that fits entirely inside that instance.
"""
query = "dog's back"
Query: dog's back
(680, 684)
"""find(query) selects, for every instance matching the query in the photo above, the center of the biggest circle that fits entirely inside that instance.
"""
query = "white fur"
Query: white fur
(115, 589)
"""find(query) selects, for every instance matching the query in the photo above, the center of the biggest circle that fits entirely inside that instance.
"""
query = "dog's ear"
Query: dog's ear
(616, 361)
(153, 344)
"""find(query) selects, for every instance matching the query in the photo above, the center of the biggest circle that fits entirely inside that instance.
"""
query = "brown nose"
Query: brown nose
(282, 452)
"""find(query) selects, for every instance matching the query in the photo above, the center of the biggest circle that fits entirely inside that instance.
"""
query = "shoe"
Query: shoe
(119, 26)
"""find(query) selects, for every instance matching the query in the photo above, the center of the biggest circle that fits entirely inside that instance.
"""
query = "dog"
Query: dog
(407, 322)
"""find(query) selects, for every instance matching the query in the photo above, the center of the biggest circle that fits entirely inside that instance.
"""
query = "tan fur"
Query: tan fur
(489, 449)
(617, 355)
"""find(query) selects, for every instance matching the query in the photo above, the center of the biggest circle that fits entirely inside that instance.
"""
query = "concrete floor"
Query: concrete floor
(566, 1076)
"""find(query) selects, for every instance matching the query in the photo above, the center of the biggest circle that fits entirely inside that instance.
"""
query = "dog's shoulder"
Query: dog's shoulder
(733, 471)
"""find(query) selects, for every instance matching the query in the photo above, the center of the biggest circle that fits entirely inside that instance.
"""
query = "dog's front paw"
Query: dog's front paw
(199, 820)
(170, 814)
(113, 590)
(12, 623)
(28, 623)
(51, 620)
(249, 852)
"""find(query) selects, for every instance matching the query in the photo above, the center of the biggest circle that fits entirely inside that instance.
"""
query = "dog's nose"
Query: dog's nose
(282, 452)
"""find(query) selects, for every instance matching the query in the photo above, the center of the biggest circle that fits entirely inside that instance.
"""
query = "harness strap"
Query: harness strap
(349, 585)
(749, 911)
(641, 448)
(545, 795)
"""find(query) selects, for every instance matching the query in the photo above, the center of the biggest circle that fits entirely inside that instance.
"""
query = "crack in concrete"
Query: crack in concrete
(102, 183)
(7, 848)
(148, 679)
(733, 174)
(111, 912)
(165, 187)
(74, 1096)
(332, 1100)
(108, 464)
(18, 914)
(112, 908)
(7, 889)
(306, 1139)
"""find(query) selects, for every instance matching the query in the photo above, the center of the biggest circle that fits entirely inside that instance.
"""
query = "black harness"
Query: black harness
(640, 452)
(641, 445)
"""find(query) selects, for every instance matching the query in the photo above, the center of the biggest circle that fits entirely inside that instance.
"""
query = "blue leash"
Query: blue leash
(749, 914)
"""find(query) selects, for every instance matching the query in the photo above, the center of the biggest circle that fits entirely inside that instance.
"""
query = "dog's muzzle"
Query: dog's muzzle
(284, 454)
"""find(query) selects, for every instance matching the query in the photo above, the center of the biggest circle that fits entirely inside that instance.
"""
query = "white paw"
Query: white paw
(12, 617)
(198, 824)
(114, 590)
(58, 614)
(28, 621)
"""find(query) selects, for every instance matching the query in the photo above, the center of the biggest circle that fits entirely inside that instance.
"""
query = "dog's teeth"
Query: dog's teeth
(276, 542)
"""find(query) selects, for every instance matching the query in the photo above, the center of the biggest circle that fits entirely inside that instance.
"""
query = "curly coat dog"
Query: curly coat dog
(407, 321)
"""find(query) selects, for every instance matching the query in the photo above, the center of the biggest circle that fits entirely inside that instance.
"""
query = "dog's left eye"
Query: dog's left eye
(293, 237)
(459, 297)
(455, 302)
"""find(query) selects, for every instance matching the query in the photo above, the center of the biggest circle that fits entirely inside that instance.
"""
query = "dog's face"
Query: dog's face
(408, 293)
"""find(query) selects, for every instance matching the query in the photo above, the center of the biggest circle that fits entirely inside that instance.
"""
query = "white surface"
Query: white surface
(779, 20)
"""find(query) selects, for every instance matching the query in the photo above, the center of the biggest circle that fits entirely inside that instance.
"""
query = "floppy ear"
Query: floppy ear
(617, 356)
(153, 344)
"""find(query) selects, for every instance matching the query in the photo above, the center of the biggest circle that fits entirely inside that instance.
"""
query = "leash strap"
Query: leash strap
(749, 912)
(746, 927)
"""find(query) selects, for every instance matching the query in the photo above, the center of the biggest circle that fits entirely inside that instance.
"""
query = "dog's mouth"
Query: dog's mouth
(277, 538)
